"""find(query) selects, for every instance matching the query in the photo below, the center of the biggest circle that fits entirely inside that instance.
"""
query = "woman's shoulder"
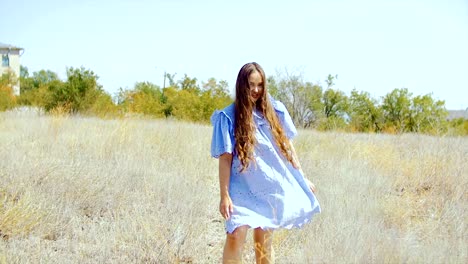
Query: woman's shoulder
(227, 112)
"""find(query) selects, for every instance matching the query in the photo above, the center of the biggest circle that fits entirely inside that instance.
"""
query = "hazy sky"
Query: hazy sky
(373, 45)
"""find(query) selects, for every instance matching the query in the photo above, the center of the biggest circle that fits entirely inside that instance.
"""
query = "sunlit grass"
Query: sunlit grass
(76, 189)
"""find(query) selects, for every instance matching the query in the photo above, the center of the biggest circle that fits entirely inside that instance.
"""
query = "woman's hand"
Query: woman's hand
(310, 184)
(225, 207)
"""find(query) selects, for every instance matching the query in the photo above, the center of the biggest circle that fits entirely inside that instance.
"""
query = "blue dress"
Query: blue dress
(270, 193)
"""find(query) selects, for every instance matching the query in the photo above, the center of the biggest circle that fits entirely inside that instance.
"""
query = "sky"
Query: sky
(372, 45)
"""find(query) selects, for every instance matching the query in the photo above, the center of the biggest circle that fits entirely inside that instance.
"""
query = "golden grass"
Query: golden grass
(75, 189)
(18, 215)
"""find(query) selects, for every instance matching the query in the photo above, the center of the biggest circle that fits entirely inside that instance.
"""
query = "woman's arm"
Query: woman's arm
(225, 204)
(297, 165)
(296, 162)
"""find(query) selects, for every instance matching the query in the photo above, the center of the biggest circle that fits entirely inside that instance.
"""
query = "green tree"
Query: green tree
(24, 72)
(335, 107)
(44, 77)
(35, 89)
(171, 79)
(7, 98)
(25, 81)
(189, 84)
(215, 88)
(150, 89)
(331, 80)
(38, 79)
(299, 97)
(78, 93)
(428, 115)
(273, 88)
(396, 110)
(364, 112)
(335, 103)
(307, 103)
(186, 100)
(215, 95)
(315, 101)
(102, 106)
(183, 104)
(458, 126)
(146, 98)
(9, 78)
(308, 110)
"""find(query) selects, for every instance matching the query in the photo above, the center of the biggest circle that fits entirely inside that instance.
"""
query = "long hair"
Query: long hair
(244, 127)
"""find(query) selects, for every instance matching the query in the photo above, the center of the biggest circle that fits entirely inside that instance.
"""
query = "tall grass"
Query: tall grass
(85, 190)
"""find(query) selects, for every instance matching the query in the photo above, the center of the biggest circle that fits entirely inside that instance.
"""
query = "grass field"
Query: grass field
(86, 190)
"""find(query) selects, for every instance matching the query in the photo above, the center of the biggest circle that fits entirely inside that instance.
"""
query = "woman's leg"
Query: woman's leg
(234, 244)
(263, 246)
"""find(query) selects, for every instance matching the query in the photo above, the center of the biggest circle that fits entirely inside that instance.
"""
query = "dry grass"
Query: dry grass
(84, 190)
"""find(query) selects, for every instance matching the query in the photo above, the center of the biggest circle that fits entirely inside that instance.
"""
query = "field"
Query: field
(86, 190)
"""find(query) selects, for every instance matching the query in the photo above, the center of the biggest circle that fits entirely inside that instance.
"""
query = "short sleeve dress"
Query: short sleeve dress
(271, 193)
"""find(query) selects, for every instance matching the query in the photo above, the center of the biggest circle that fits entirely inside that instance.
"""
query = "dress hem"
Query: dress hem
(306, 220)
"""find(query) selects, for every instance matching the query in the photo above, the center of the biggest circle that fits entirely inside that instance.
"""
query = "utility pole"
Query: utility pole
(164, 82)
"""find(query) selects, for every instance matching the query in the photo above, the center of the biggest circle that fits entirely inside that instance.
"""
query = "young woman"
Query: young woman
(261, 182)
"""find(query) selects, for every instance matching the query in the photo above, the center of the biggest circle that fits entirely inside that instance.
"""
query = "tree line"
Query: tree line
(311, 105)
(326, 108)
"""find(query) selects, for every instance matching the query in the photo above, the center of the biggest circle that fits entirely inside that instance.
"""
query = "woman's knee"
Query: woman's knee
(263, 237)
(237, 237)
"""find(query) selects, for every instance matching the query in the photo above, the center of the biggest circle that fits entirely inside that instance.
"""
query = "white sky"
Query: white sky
(373, 45)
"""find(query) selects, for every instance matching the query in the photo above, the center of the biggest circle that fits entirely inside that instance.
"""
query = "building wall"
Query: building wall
(14, 55)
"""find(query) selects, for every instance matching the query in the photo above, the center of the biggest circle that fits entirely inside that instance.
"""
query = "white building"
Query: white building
(11, 63)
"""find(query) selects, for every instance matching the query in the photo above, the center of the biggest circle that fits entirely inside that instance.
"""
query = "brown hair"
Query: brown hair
(244, 127)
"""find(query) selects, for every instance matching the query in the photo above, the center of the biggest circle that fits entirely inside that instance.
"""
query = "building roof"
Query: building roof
(8, 46)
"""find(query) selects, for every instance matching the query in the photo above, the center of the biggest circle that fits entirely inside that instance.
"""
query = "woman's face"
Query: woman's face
(255, 86)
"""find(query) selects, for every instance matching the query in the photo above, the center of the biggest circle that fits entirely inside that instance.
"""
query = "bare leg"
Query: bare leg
(234, 244)
(263, 239)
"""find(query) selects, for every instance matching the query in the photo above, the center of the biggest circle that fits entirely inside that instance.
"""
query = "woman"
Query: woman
(261, 183)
